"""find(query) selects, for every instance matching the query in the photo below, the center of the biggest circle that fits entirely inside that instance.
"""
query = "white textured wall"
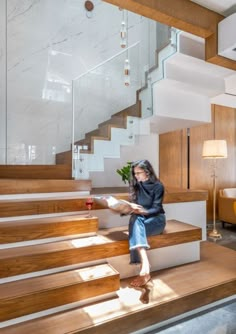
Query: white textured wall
(146, 147)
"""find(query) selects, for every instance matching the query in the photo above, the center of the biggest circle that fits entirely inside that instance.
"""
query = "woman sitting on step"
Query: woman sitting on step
(147, 218)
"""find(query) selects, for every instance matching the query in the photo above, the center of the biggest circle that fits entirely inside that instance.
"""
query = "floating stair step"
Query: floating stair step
(27, 186)
(41, 205)
(116, 121)
(172, 292)
(32, 295)
(90, 143)
(40, 228)
(36, 172)
(108, 243)
(46, 205)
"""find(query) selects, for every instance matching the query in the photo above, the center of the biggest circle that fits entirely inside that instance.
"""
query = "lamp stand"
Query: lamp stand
(214, 234)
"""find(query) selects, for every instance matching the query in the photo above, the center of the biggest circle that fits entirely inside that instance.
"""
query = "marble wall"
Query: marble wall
(44, 45)
(3, 81)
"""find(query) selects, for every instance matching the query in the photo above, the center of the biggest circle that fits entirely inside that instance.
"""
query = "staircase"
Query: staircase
(185, 77)
(39, 278)
(62, 272)
(102, 133)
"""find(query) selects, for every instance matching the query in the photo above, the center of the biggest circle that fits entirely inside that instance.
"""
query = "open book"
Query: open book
(117, 205)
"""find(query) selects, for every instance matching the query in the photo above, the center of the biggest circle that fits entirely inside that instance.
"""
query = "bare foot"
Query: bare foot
(141, 280)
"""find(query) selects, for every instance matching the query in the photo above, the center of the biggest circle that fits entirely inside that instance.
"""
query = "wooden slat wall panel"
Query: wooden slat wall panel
(200, 172)
(173, 159)
(225, 128)
(222, 126)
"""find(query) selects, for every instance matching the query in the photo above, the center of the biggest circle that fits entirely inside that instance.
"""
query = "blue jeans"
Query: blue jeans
(140, 227)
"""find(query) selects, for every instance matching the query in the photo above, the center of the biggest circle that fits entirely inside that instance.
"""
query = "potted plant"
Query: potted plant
(125, 172)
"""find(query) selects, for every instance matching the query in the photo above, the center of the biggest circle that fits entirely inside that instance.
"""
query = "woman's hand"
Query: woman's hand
(138, 209)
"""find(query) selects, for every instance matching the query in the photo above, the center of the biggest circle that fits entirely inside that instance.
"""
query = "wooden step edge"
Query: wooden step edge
(43, 228)
(36, 294)
(35, 258)
(42, 172)
(111, 124)
(43, 205)
(133, 110)
(32, 186)
(115, 119)
(40, 257)
(90, 149)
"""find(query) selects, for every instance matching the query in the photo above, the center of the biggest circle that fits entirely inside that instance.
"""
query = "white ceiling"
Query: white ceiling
(224, 7)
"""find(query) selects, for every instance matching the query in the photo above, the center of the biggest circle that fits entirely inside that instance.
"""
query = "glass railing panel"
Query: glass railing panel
(99, 97)
(102, 94)
(22, 154)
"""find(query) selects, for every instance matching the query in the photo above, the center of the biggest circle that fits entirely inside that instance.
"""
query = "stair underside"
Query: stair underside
(170, 293)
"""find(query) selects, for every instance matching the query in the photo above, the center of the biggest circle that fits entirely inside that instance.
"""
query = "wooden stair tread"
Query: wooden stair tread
(21, 207)
(63, 172)
(42, 205)
(107, 243)
(172, 226)
(51, 247)
(29, 186)
(39, 228)
(46, 282)
(172, 293)
(36, 294)
(46, 220)
(41, 198)
(103, 236)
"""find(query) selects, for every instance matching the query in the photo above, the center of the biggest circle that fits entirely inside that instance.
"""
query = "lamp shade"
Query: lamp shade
(214, 149)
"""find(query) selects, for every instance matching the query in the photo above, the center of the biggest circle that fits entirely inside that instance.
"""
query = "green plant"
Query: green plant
(125, 172)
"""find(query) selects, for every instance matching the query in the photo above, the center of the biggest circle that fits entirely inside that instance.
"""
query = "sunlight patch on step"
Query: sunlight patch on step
(95, 272)
(85, 242)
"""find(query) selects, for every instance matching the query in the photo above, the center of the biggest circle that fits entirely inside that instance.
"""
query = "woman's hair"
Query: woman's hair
(148, 169)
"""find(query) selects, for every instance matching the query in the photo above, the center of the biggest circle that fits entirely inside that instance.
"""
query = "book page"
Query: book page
(117, 205)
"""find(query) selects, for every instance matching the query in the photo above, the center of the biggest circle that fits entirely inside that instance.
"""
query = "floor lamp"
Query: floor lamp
(214, 149)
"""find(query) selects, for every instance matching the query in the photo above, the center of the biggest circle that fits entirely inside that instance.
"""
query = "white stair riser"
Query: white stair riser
(160, 258)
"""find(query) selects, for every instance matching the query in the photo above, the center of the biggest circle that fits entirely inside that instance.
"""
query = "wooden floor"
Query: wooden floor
(171, 292)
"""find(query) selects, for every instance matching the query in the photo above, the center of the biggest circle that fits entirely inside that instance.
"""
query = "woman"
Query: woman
(148, 217)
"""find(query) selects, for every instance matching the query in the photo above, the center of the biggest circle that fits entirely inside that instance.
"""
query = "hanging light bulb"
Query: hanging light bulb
(123, 35)
(127, 72)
